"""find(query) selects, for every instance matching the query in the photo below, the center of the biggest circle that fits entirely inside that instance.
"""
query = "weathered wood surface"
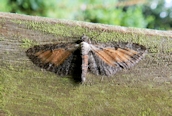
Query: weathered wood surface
(16, 31)
(19, 32)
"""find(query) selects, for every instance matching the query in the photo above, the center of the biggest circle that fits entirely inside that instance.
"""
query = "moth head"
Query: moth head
(85, 38)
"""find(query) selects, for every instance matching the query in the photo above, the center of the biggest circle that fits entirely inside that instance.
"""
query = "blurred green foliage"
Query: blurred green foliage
(4, 7)
(31, 7)
(161, 13)
(132, 17)
(131, 13)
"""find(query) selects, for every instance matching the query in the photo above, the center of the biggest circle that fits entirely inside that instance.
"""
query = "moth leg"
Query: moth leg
(102, 78)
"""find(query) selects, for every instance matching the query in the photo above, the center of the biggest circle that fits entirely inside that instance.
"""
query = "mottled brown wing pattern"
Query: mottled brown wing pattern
(56, 56)
(61, 59)
(75, 58)
(112, 56)
(105, 60)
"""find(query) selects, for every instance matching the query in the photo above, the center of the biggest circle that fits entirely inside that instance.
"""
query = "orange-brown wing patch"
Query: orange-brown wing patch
(112, 56)
(105, 57)
(56, 56)
(127, 51)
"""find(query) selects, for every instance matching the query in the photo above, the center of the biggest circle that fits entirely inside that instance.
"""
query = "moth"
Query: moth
(77, 58)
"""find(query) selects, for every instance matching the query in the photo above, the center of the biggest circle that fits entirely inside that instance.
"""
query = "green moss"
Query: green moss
(27, 43)
(2, 38)
(33, 92)
(66, 30)
(1, 90)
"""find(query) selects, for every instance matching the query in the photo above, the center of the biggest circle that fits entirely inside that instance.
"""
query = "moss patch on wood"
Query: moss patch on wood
(41, 93)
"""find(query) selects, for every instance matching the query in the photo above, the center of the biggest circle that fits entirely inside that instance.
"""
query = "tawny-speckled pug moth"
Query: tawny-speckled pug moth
(82, 56)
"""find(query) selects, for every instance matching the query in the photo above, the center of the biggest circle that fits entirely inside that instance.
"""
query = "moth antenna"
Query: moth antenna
(97, 35)
(95, 41)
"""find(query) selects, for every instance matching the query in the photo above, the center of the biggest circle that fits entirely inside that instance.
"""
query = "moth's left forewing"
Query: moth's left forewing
(53, 57)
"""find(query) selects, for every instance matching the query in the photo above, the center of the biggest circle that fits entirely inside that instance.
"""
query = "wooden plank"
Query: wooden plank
(19, 32)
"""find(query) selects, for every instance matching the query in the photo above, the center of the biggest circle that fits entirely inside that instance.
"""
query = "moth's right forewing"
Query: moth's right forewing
(106, 59)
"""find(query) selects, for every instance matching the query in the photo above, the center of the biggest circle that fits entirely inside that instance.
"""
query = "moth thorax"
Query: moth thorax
(85, 39)
(85, 48)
